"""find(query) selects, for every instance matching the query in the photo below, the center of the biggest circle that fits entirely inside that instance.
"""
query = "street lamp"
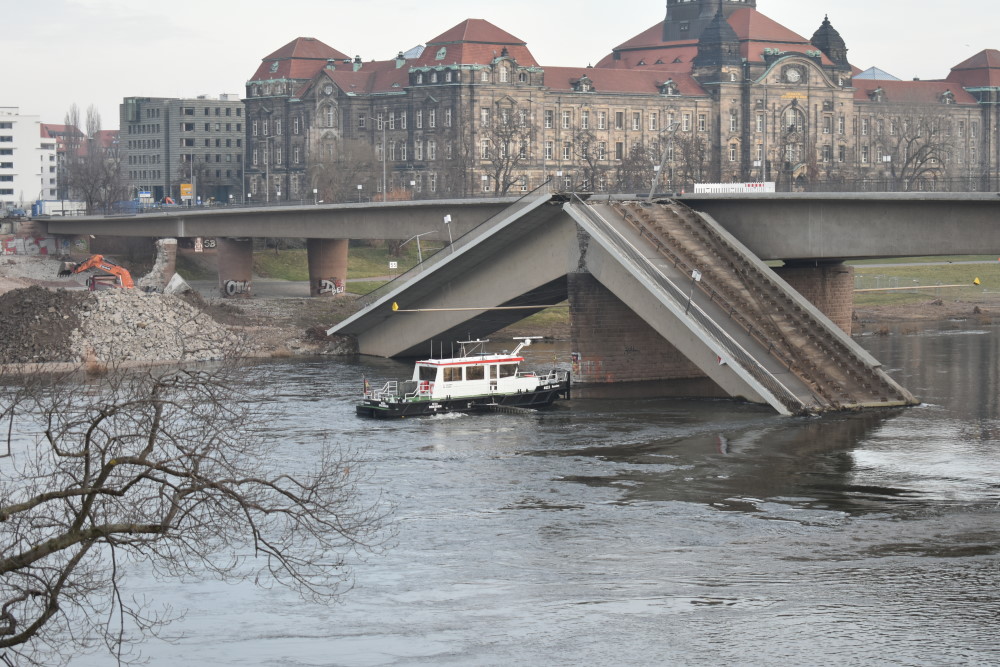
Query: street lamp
(672, 129)
(447, 221)
(359, 193)
(315, 196)
(420, 255)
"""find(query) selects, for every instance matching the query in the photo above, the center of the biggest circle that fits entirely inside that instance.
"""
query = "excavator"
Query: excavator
(114, 275)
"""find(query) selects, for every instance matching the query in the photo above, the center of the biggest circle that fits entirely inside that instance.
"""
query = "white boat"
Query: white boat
(473, 381)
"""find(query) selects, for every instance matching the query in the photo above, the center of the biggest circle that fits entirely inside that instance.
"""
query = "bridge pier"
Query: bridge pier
(235, 258)
(827, 285)
(611, 343)
(327, 266)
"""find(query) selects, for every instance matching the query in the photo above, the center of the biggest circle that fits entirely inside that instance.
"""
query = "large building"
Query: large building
(167, 142)
(28, 167)
(717, 92)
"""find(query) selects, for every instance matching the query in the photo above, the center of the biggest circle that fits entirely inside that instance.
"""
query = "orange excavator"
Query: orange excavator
(114, 275)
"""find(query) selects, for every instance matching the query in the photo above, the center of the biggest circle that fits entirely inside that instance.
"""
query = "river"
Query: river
(649, 531)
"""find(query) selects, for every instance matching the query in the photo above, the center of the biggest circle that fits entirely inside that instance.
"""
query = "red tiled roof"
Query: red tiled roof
(299, 59)
(910, 92)
(620, 81)
(474, 42)
(373, 77)
(755, 31)
(981, 70)
(750, 24)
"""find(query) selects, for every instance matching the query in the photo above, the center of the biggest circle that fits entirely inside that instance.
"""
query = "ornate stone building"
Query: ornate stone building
(717, 92)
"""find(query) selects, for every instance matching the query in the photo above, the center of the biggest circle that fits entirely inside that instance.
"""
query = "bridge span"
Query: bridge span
(658, 290)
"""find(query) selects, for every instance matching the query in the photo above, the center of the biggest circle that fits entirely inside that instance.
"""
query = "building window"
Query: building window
(549, 118)
(619, 150)
(686, 122)
(418, 150)
(602, 150)
(566, 117)
(827, 153)
(760, 122)
(548, 150)
(484, 149)
(504, 74)
(702, 122)
(567, 151)
(619, 120)
(584, 120)
(392, 120)
(827, 124)
(362, 119)
(420, 119)
(636, 120)
(864, 127)
(277, 126)
(432, 118)
(431, 150)
(733, 148)
(733, 122)
(654, 123)
(447, 117)
(602, 120)
(484, 76)
(864, 154)
(484, 117)
(402, 120)
(841, 125)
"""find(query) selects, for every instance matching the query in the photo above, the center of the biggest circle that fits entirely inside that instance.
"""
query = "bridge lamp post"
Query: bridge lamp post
(658, 169)
(359, 193)
(447, 220)
(315, 196)
(420, 255)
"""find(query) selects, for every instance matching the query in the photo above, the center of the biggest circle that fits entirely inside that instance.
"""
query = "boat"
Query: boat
(474, 381)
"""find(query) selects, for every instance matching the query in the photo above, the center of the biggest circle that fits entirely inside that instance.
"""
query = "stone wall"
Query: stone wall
(829, 287)
(613, 344)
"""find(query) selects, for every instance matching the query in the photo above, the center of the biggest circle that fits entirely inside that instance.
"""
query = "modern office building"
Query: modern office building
(28, 167)
(167, 142)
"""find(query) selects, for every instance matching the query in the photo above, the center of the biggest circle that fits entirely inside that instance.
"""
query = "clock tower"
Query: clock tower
(687, 19)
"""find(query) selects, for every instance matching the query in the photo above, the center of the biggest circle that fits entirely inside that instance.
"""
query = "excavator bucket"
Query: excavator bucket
(67, 268)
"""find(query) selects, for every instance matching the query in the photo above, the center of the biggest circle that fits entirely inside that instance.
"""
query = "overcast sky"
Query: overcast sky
(60, 52)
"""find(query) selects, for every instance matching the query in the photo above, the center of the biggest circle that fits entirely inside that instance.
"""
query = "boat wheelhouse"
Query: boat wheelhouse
(473, 381)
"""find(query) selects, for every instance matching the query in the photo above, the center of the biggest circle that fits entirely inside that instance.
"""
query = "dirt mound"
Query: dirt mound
(37, 324)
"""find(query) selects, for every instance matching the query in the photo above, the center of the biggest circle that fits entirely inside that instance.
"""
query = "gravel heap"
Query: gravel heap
(129, 325)
(109, 326)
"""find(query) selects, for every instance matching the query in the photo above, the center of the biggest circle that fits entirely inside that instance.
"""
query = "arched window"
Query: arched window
(331, 116)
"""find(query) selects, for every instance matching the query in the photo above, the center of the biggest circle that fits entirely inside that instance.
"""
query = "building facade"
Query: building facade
(167, 142)
(28, 166)
(717, 92)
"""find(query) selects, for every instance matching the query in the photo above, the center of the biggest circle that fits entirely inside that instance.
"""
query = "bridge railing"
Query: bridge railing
(462, 241)
(693, 311)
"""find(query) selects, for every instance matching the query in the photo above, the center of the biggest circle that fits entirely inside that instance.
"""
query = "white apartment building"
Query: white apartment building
(27, 160)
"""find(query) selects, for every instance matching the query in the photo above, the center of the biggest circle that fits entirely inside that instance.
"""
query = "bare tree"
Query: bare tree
(339, 167)
(591, 155)
(92, 169)
(506, 139)
(912, 147)
(635, 172)
(167, 469)
(691, 152)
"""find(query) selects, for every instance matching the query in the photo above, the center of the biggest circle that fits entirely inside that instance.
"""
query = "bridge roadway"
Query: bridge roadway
(786, 226)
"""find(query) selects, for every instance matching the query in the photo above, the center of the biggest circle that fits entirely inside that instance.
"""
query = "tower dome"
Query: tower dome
(829, 41)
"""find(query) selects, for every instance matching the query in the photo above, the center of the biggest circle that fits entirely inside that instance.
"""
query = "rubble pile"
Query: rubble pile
(129, 325)
(37, 324)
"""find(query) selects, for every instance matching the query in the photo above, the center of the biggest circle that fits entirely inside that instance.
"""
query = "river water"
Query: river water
(649, 531)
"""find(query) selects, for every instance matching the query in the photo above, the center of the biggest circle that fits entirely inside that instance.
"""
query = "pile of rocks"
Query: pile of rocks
(37, 324)
(129, 325)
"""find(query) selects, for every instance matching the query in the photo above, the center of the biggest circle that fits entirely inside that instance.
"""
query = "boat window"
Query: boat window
(475, 372)
(493, 371)
(508, 370)
(428, 373)
(452, 373)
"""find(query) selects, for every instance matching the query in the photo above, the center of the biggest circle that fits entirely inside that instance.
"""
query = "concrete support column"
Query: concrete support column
(235, 258)
(828, 286)
(327, 266)
(613, 344)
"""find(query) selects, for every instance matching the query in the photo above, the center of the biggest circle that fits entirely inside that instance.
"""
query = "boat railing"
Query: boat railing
(422, 389)
(388, 391)
(555, 375)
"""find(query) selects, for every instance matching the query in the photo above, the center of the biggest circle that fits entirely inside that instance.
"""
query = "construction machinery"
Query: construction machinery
(113, 276)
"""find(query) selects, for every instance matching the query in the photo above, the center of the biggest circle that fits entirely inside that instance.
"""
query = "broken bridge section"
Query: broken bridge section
(497, 274)
(726, 313)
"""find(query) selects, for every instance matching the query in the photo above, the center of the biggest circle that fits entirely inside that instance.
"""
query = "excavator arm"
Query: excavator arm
(122, 276)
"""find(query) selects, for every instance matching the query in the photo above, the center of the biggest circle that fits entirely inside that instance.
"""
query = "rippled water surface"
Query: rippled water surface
(649, 531)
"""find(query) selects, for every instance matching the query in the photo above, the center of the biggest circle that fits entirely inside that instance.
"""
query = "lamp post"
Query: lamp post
(359, 193)
(315, 196)
(420, 255)
(447, 221)
(657, 169)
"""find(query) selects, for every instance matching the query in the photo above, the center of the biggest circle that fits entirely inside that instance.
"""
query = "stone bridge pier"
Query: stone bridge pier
(327, 259)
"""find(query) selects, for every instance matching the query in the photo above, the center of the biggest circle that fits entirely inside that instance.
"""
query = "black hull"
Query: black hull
(539, 398)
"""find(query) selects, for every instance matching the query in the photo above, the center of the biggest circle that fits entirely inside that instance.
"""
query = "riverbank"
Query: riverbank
(58, 321)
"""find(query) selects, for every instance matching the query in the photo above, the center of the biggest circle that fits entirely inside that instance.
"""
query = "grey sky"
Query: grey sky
(99, 51)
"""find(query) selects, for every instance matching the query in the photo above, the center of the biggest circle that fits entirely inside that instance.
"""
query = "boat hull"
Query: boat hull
(541, 397)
